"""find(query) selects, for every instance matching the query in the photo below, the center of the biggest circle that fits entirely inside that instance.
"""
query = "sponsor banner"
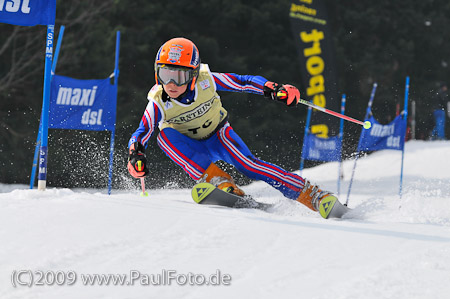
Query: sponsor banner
(322, 149)
(380, 137)
(82, 104)
(28, 12)
(314, 43)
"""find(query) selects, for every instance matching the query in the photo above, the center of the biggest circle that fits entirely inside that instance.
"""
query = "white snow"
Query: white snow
(386, 247)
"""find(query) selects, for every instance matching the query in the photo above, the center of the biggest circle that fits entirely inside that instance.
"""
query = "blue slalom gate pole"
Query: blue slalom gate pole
(308, 120)
(38, 141)
(116, 64)
(36, 154)
(111, 147)
(58, 47)
(341, 137)
(43, 151)
(368, 112)
(405, 117)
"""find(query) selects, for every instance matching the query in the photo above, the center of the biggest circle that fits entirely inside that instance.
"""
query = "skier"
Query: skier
(439, 103)
(194, 128)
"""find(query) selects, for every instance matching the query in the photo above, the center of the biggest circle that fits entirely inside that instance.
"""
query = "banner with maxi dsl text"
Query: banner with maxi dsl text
(82, 104)
(314, 43)
(380, 137)
(28, 12)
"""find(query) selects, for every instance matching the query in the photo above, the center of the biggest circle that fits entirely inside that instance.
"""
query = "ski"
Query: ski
(208, 194)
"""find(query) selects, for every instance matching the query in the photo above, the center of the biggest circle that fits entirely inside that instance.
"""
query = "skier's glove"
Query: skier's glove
(137, 163)
(282, 92)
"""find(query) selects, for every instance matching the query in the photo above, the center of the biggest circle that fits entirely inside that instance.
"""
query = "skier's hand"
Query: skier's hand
(137, 163)
(282, 92)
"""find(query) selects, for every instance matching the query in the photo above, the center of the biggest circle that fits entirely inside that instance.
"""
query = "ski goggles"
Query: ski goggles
(179, 76)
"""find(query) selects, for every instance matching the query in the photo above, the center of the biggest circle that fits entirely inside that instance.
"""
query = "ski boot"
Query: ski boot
(320, 201)
(222, 180)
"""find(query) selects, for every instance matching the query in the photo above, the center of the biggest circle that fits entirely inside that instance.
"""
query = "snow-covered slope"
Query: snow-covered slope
(386, 247)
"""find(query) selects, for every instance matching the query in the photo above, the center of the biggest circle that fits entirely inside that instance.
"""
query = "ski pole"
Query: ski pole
(143, 193)
(366, 124)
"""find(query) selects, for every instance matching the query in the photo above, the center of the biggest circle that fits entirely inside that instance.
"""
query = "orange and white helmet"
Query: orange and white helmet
(177, 61)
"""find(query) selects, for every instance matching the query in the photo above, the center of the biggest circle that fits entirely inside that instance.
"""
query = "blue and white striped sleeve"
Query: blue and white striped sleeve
(152, 116)
(239, 83)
